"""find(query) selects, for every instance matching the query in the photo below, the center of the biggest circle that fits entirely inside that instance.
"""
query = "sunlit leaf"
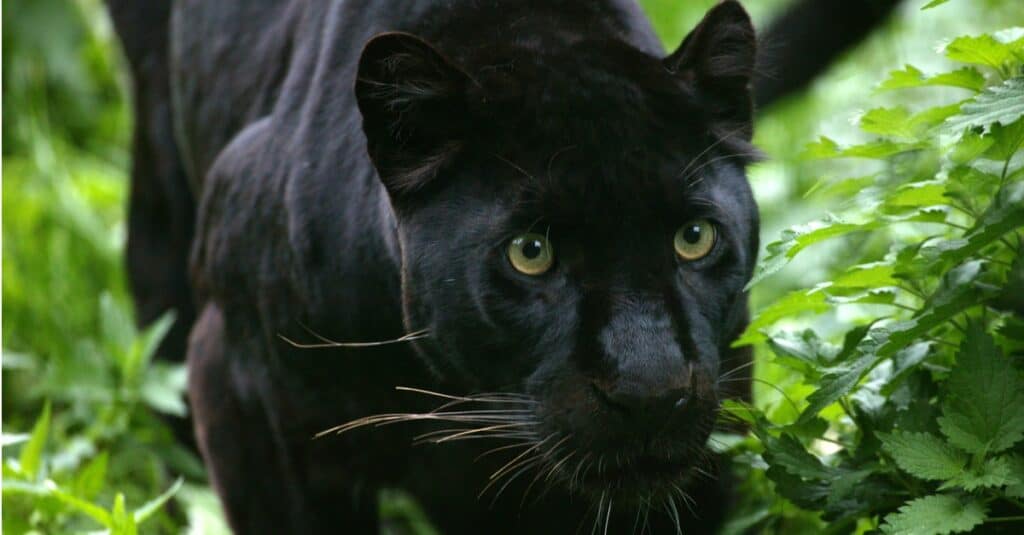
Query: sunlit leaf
(31, 458)
(1000, 104)
(910, 76)
(151, 507)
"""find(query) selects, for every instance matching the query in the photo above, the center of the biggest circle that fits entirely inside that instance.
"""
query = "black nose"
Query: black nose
(642, 405)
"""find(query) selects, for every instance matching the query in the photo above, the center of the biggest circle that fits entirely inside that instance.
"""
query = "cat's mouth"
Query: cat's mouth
(636, 477)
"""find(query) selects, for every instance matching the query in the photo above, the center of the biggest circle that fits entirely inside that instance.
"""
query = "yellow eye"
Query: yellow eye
(531, 254)
(695, 239)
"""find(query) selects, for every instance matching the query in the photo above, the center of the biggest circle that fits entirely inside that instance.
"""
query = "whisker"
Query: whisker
(717, 142)
(409, 337)
(488, 397)
(736, 369)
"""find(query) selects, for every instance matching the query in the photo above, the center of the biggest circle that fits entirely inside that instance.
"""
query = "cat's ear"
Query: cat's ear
(717, 59)
(414, 109)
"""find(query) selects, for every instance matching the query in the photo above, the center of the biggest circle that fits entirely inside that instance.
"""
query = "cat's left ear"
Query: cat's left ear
(413, 103)
(717, 59)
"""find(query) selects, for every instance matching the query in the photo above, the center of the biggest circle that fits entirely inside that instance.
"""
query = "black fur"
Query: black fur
(360, 169)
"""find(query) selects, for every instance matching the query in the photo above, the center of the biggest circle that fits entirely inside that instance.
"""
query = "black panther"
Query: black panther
(517, 231)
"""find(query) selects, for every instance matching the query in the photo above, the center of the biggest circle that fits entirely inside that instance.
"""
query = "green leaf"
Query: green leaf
(144, 346)
(873, 296)
(918, 194)
(820, 149)
(982, 412)
(910, 76)
(837, 383)
(796, 238)
(924, 455)
(801, 351)
(937, 514)
(888, 122)
(32, 452)
(881, 149)
(846, 187)
(121, 522)
(1016, 488)
(95, 512)
(790, 305)
(1005, 214)
(1000, 104)
(163, 388)
(981, 50)
(994, 472)
(878, 150)
(1007, 140)
(933, 3)
(957, 292)
(787, 453)
(970, 146)
(871, 275)
(154, 505)
(89, 481)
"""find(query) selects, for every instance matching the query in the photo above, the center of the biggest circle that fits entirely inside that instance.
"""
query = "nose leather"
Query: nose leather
(651, 377)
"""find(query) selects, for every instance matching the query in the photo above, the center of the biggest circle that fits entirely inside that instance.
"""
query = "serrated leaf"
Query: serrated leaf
(802, 351)
(937, 514)
(888, 122)
(873, 296)
(788, 453)
(982, 413)
(910, 76)
(956, 292)
(871, 275)
(820, 149)
(918, 194)
(1016, 488)
(1005, 214)
(1001, 104)
(994, 472)
(826, 148)
(878, 150)
(924, 455)
(31, 458)
(1006, 141)
(798, 237)
(970, 146)
(836, 384)
(790, 305)
(904, 362)
(980, 50)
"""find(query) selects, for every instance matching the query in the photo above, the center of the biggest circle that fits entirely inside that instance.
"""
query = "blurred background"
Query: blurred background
(68, 335)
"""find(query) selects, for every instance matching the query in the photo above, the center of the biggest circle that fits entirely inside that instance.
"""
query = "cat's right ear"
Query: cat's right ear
(413, 102)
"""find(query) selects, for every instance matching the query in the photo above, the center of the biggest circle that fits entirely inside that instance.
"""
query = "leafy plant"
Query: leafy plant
(914, 417)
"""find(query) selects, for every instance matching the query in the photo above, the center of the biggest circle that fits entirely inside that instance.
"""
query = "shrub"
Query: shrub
(915, 418)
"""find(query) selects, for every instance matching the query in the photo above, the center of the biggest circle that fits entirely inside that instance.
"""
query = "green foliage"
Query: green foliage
(865, 415)
(912, 418)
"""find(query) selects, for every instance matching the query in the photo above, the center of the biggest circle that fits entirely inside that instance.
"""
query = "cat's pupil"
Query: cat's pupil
(532, 249)
(692, 234)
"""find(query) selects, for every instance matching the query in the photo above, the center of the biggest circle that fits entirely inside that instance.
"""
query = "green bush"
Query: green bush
(914, 421)
(888, 364)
